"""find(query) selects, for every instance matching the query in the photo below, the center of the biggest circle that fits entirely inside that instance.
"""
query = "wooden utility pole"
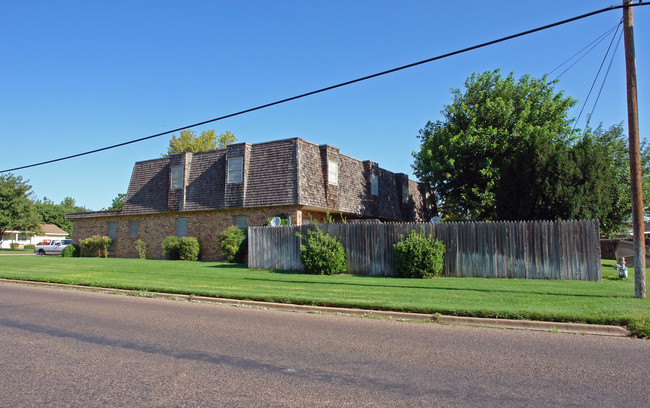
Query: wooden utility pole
(638, 223)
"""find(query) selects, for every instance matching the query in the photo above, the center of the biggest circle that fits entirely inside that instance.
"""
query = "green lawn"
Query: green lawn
(608, 302)
(16, 251)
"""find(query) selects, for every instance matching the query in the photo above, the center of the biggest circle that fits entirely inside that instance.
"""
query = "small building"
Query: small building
(22, 238)
(201, 194)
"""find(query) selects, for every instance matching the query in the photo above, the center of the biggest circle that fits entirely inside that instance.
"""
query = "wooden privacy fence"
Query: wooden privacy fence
(526, 250)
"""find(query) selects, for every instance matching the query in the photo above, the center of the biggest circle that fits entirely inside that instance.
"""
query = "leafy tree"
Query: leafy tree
(188, 141)
(17, 211)
(52, 213)
(461, 157)
(225, 139)
(118, 202)
(505, 151)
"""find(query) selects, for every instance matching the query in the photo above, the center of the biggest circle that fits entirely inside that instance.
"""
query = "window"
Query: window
(177, 177)
(405, 192)
(374, 184)
(332, 172)
(239, 221)
(133, 229)
(181, 227)
(111, 232)
(235, 169)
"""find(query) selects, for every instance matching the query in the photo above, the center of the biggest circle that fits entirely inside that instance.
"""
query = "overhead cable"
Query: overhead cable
(592, 44)
(329, 88)
(604, 79)
(596, 78)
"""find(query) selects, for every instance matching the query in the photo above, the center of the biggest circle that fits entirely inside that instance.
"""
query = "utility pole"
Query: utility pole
(638, 223)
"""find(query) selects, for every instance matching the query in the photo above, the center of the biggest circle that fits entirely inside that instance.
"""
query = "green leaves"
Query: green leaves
(232, 243)
(188, 141)
(505, 150)
(419, 256)
(17, 211)
(322, 254)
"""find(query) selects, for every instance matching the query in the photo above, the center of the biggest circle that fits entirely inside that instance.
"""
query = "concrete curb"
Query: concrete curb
(574, 328)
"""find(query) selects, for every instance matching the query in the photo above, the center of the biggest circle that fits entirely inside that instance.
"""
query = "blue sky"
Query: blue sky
(81, 75)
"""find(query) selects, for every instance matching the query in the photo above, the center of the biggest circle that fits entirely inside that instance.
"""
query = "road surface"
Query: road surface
(81, 349)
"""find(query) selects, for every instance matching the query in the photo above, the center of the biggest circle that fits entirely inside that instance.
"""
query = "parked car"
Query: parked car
(51, 247)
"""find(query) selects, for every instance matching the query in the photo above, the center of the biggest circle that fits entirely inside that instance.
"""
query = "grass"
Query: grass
(16, 251)
(608, 302)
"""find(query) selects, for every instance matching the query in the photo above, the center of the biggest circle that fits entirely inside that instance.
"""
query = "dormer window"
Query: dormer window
(235, 169)
(332, 172)
(374, 184)
(405, 192)
(177, 177)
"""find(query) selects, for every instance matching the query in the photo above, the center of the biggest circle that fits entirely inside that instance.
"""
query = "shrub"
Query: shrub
(188, 249)
(29, 247)
(322, 254)
(141, 247)
(418, 256)
(97, 245)
(14, 245)
(72, 250)
(233, 244)
(170, 247)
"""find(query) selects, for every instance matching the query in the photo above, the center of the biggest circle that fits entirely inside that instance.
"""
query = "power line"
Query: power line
(592, 44)
(595, 79)
(604, 80)
(329, 88)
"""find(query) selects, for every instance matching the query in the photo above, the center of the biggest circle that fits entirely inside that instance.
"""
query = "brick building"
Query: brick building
(201, 194)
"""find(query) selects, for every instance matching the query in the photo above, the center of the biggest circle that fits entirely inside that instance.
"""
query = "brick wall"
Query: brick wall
(154, 228)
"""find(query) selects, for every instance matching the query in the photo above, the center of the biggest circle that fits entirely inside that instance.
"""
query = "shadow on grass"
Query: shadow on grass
(229, 266)
(428, 288)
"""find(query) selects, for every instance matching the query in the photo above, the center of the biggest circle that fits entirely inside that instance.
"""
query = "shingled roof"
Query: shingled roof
(277, 173)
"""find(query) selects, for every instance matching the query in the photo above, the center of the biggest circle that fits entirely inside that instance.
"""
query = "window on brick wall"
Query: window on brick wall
(181, 227)
(133, 229)
(240, 221)
(177, 177)
(235, 169)
(332, 172)
(374, 184)
(405, 192)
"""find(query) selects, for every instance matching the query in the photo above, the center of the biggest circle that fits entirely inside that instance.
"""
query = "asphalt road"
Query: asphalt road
(69, 348)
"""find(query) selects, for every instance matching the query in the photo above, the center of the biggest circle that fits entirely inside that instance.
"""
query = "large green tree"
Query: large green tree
(505, 150)
(52, 213)
(188, 141)
(17, 211)
(461, 156)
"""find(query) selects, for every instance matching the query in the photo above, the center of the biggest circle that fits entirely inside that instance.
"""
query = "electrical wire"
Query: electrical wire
(329, 88)
(592, 44)
(596, 78)
(604, 80)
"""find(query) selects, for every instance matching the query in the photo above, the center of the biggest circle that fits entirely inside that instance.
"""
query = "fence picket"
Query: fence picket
(528, 250)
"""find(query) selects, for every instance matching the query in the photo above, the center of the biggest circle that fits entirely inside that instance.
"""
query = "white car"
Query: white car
(51, 247)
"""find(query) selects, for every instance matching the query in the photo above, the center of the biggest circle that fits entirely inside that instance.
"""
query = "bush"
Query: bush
(29, 247)
(170, 247)
(418, 256)
(188, 249)
(233, 244)
(72, 250)
(97, 245)
(14, 245)
(322, 254)
(141, 247)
